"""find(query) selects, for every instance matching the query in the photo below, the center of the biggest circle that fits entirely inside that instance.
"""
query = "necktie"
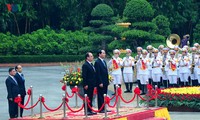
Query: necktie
(92, 66)
(22, 75)
(104, 63)
(15, 80)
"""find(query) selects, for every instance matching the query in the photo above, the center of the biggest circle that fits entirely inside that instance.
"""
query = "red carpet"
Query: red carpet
(126, 113)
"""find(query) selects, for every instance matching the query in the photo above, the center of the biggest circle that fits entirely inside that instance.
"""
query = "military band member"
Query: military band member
(115, 67)
(136, 68)
(156, 68)
(172, 64)
(184, 64)
(143, 71)
(165, 57)
(197, 66)
(197, 46)
(150, 56)
(160, 48)
(128, 63)
(193, 72)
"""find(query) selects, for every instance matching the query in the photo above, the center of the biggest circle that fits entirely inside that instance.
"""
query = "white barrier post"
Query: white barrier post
(18, 107)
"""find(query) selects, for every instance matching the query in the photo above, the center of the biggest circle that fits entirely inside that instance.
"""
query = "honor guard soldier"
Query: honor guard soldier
(143, 71)
(172, 64)
(165, 57)
(160, 48)
(197, 46)
(184, 64)
(150, 56)
(156, 68)
(136, 68)
(128, 63)
(193, 72)
(197, 66)
(114, 66)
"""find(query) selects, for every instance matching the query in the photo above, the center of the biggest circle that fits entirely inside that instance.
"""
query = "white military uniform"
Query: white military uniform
(184, 70)
(116, 73)
(165, 73)
(156, 68)
(128, 62)
(137, 57)
(172, 72)
(197, 67)
(150, 56)
(193, 76)
(143, 72)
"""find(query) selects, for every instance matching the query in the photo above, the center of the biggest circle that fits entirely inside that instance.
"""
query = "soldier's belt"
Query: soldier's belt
(155, 66)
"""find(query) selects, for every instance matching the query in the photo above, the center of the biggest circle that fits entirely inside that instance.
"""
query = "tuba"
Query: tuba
(173, 40)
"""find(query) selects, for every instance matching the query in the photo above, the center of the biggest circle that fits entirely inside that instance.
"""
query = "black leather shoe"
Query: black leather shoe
(94, 113)
(90, 113)
(104, 111)
(127, 91)
(142, 94)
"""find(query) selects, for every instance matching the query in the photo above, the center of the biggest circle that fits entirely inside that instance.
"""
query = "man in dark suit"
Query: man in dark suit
(102, 77)
(89, 81)
(21, 82)
(13, 91)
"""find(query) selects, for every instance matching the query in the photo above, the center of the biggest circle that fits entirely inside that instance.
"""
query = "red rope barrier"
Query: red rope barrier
(129, 100)
(141, 98)
(49, 109)
(29, 97)
(96, 110)
(20, 105)
(112, 97)
(74, 110)
(116, 100)
(69, 95)
(29, 92)
(82, 98)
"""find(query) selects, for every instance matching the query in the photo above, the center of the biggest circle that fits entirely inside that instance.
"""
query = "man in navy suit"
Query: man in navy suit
(13, 91)
(89, 81)
(21, 82)
(102, 77)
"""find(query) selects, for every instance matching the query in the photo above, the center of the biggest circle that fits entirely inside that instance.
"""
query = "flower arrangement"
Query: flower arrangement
(73, 75)
(184, 97)
(73, 78)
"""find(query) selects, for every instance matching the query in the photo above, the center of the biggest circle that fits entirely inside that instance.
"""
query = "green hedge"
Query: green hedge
(40, 58)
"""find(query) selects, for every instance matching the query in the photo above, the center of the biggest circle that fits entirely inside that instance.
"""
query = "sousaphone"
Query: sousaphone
(173, 40)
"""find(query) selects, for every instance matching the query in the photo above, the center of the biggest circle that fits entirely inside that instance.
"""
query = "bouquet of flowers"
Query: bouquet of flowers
(73, 76)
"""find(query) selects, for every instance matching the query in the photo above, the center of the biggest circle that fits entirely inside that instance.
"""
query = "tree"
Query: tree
(138, 10)
(163, 25)
(142, 30)
(196, 33)
(101, 25)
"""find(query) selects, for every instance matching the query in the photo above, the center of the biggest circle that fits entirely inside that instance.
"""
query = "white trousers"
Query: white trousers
(184, 77)
(194, 75)
(128, 77)
(156, 77)
(117, 79)
(172, 79)
(198, 78)
(143, 79)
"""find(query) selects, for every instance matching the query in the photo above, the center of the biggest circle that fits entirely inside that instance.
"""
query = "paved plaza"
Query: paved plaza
(45, 81)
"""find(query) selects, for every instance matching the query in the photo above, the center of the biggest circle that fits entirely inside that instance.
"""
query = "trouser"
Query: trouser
(21, 109)
(13, 109)
(172, 80)
(101, 92)
(184, 79)
(89, 93)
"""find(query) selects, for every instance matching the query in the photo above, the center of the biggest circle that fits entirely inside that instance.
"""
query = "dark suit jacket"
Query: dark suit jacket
(12, 88)
(88, 75)
(101, 72)
(21, 84)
